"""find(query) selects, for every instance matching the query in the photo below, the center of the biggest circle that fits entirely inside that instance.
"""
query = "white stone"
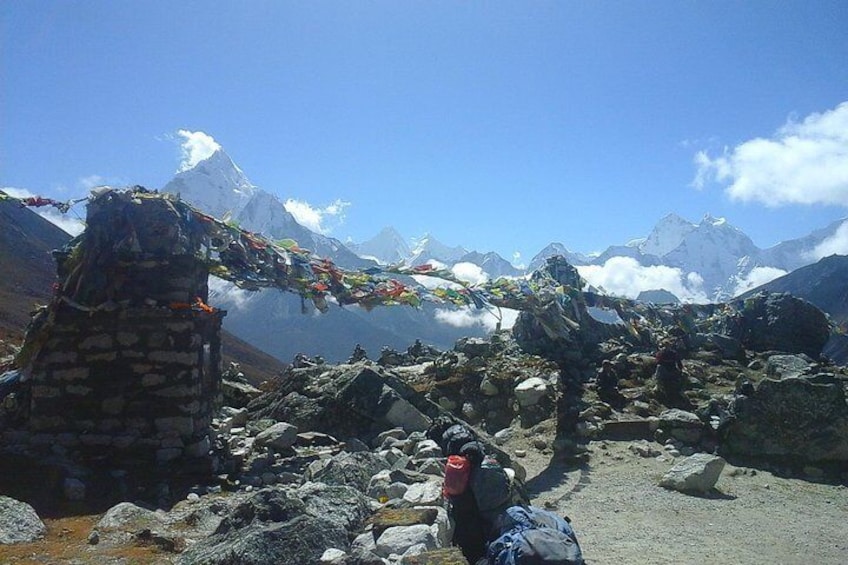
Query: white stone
(428, 494)
(333, 556)
(399, 539)
(529, 391)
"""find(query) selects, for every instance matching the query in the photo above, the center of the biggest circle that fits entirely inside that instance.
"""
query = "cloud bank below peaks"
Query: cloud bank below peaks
(804, 162)
(195, 147)
(320, 220)
(624, 276)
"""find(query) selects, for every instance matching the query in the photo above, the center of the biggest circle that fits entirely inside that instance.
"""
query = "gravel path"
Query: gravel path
(621, 516)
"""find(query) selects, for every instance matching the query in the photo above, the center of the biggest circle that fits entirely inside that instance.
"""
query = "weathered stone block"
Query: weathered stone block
(126, 339)
(99, 440)
(113, 405)
(152, 379)
(101, 341)
(184, 426)
(39, 391)
(189, 358)
(78, 390)
(95, 357)
(176, 391)
(123, 441)
(59, 357)
(75, 374)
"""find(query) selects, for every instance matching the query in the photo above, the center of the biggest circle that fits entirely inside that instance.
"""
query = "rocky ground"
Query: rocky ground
(622, 516)
(619, 512)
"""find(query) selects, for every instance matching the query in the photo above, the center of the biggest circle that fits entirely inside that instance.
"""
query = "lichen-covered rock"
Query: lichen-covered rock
(351, 469)
(18, 522)
(800, 419)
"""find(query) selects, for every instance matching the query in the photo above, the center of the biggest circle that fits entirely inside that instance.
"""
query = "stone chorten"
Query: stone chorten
(126, 361)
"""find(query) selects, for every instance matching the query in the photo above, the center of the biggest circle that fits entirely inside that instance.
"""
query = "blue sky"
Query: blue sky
(497, 126)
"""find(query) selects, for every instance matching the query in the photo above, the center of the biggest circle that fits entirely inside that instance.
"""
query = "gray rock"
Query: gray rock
(299, 540)
(681, 425)
(18, 522)
(802, 419)
(697, 473)
(398, 539)
(424, 494)
(278, 437)
(351, 469)
(785, 366)
(128, 517)
(396, 433)
(342, 505)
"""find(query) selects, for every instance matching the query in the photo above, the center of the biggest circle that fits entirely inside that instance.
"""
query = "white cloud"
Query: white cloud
(469, 273)
(802, 163)
(469, 317)
(195, 147)
(91, 181)
(837, 244)
(624, 276)
(73, 226)
(758, 276)
(320, 220)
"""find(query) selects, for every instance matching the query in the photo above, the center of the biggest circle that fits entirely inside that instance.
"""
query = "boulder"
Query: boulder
(302, 539)
(796, 419)
(18, 522)
(783, 366)
(351, 469)
(530, 391)
(782, 322)
(681, 425)
(343, 505)
(697, 473)
(398, 539)
(279, 437)
(275, 526)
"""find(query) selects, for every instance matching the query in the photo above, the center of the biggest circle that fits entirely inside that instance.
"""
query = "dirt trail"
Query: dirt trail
(621, 516)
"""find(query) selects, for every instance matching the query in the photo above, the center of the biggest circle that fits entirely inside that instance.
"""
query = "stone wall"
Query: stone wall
(135, 382)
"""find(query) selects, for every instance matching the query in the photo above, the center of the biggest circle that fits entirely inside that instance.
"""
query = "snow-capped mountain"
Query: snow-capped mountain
(666, 235)
(428, 248)
(492, 264)
(280, 323)
(387, 247)
(717, 251)
(557, 249)
(218, 187)
(713, 259)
